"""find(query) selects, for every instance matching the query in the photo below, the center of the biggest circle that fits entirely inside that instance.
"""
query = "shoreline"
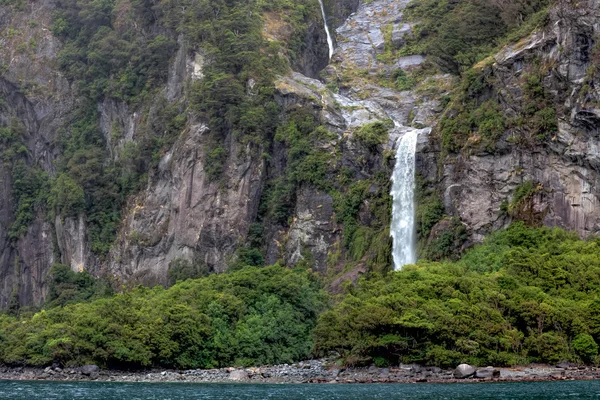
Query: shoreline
(313, 371)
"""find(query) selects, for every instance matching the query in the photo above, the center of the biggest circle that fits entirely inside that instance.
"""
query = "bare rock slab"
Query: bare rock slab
(238, 375)
(464, 371)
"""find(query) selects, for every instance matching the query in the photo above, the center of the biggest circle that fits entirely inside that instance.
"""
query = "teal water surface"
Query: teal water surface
(32, 390)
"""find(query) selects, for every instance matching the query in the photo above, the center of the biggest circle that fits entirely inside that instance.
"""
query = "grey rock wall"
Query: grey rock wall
(180, 214)
(566, 166)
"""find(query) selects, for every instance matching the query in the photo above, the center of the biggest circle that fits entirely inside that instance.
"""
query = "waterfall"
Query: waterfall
(329, 39)
(403, 229)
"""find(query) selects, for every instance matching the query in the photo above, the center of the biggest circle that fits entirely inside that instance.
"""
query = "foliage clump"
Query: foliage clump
(447, 241)
(29, 182)
(254, 316)
(306, 162)
(181, 269)
(475, 118)
(458, 34)
(68, 287)
(120, 51)
(373, 134)
(525, 295)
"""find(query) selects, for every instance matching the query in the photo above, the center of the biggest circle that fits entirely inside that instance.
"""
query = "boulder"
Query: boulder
(384, 374)
(398, 34)
(464, 371)
(488, 372)
(90, 370)
(238, 375)
(566, 365)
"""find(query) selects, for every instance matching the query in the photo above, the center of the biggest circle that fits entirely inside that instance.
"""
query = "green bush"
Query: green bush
(254, 316)
(181, 269)
(306, 163)
(458, 34)
(247, 257)
(520, 297)
(446, 244)
(403, 81)
(373, 134)
(29, 182)
(67, 287)
(66, 196)
(585, 347)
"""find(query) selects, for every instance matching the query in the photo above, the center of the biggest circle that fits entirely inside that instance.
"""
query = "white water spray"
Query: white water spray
(403, 229)
(329, 39)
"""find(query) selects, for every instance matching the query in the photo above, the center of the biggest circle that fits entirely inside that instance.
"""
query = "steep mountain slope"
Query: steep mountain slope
(144, 140)
(520, 141)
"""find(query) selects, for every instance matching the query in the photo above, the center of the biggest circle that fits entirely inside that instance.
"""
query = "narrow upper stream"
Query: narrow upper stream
(329, 39)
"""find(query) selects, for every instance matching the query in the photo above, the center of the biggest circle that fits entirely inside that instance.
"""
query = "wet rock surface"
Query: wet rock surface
(182, 215)
(565, 165)
(312, 371)
(464, 371)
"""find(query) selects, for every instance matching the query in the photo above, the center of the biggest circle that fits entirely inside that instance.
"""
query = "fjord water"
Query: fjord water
(34, 390)
(402, 228)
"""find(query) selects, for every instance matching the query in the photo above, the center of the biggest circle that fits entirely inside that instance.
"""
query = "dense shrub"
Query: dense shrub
(66, 287)
(585, 347)
(373, 134)
(457, 34)
(250, 317)
(522, 296)
(474, 118)
(29, 182)
(181, 269)
(121, 51)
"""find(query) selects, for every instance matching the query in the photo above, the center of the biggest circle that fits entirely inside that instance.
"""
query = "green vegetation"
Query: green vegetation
(538, 117)
(447, 242)
(250, 317)
(439, 237)
(373, 134)
(121, 51)
(525, 295)
(474, 118)
(181, 269)
(469, 121)
(458, 34)
(429, 208)
(522, 207)
(403, 81)
(299, 139)
(29, 182)
(68, 287)
(369, 243)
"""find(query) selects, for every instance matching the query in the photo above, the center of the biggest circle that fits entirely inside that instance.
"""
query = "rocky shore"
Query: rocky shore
(313, 371)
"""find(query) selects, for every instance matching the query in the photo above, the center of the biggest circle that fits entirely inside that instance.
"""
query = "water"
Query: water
(329, 39)
(34, 390)
(403, 229)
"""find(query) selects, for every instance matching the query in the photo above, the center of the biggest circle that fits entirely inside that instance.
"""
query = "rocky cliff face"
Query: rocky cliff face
(183, 215)
(36, 96)
(476, 185)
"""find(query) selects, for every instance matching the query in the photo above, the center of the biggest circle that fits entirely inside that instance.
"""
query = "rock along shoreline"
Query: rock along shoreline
(313, 371)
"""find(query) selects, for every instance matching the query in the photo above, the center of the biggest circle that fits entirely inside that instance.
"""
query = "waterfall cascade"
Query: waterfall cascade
(403, 229)
(329, 39)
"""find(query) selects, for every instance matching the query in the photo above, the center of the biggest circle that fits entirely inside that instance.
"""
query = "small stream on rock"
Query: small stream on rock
(329, 39)
(402, 229)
